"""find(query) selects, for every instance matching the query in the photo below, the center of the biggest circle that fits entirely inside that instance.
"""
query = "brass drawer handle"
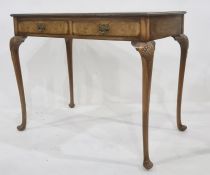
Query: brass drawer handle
(41, 27)
(103, 28)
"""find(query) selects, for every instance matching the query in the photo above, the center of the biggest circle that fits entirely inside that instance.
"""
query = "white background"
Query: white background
(102, 134)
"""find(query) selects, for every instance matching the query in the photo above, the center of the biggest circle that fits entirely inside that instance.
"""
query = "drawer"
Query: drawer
(106, 27)
(43, 27)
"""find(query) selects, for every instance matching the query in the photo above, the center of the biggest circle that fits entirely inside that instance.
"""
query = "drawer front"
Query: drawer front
(43, 27)
(106, 28)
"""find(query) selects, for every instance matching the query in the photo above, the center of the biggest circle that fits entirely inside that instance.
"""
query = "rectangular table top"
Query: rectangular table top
(115, 14)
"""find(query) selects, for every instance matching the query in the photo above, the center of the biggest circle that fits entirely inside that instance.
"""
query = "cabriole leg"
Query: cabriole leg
(70, 70)
(146, 50)
(183, 42)
(15, 43)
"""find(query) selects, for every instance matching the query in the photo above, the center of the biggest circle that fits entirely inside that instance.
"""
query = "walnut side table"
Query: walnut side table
(139, 28)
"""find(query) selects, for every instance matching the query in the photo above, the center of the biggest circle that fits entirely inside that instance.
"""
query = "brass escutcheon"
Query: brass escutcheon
(103, 28)
(41, 27)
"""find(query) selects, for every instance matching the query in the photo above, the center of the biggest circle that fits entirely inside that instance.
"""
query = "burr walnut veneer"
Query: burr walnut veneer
(139, 28)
